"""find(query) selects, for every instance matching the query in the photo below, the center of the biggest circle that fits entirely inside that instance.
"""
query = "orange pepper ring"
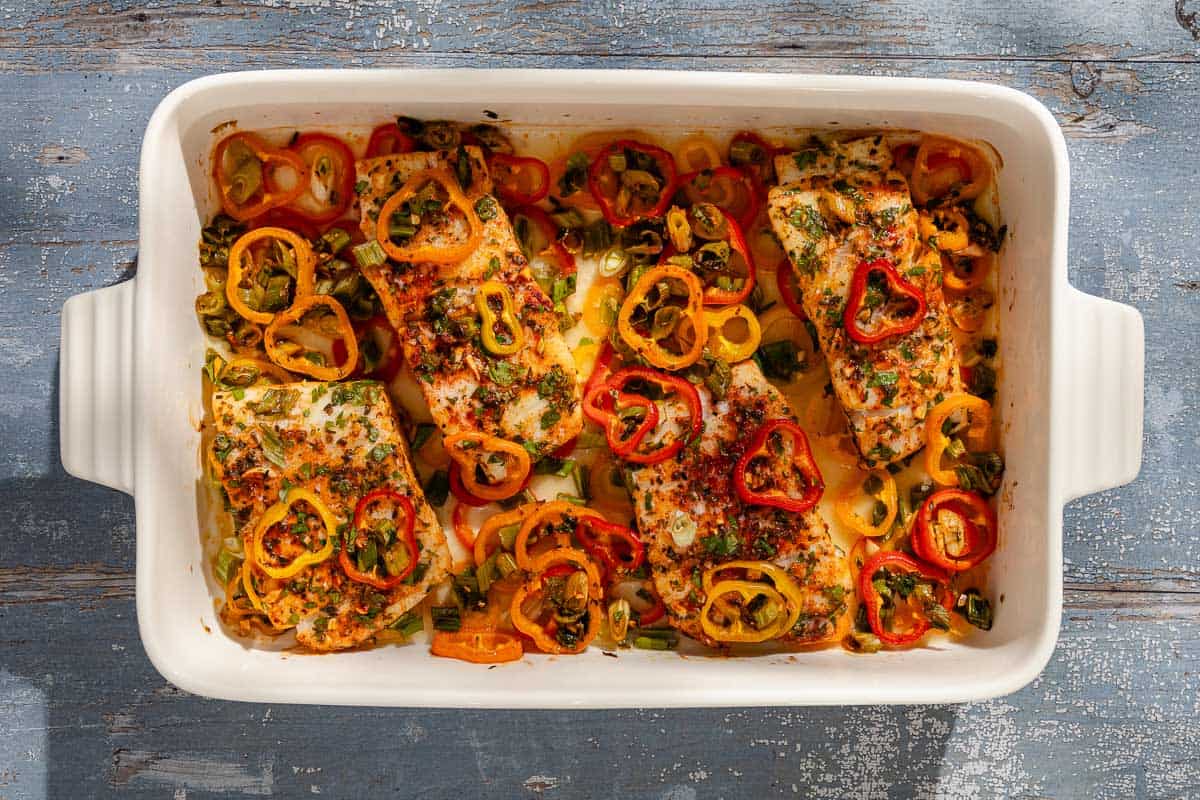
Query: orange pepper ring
(538, 633)
(430, 253)
(294, 314)
(514, 478)
(980, 420)
(264, 153)
(305, 269)
(491, 528)
(477, 646)
(650, 349)
(542, 515)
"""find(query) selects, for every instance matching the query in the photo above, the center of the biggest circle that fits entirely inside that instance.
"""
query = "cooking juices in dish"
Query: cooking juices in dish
(540, 391)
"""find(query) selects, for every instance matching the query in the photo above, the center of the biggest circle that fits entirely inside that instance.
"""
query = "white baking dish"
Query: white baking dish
(1071, 391)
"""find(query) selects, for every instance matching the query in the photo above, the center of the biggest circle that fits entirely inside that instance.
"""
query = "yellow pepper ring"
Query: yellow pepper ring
(507, 318)
(654, 353)
(305, 269)
(948, 240)
(556, 509)
(248, 586)
(265, 369)
(276, 514)
(980, 267)
(888, 495)
(294, 314)
(784, 584)
(699, 145)
(514, 477)
(435, 252)
(721, 345)
(980, 416)
(737, 631)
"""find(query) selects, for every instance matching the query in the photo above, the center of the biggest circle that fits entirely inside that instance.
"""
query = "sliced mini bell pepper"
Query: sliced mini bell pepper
(547, 245)
(469, 449)
(388, 140)
(487, 541)
(720, 343)
(701, 146)
(519, 179)
(294, 357)
(858, 303)
(755, 155)
(615, 546)
(555, 512)
(330, 187)
(544, 635)
(672, 387)
(242, 168)
(728, 188)
(460, 492)
(436, 250)
(405, 536)
(277, 514)
(782, 592)
(869, 594)
(615, 411)
(626, 190)
(462, 529)
(789, 291)
(655, 612)
(887, 494)
(499, 329)
(477, 646)
(648, 345)
(956, 530)
(240, 280)
(764, 447)
(979, 421)
(741, 285)
(945, 165)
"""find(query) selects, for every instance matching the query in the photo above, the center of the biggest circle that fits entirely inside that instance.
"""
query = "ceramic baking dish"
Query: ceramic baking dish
(1070, 393)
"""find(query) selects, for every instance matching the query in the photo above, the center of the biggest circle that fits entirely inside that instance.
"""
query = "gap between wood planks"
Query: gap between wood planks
(241, 57)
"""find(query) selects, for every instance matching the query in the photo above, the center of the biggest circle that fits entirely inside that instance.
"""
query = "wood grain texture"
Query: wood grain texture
(83, 714)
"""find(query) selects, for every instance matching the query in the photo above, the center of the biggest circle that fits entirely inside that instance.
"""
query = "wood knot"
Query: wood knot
(1084, 78)
(1188, 18)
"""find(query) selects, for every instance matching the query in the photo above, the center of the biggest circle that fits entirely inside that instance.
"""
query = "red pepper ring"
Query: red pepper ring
(801, 458)
(601, 170)
(554, 248)
(761, 170)
(871, 599)
(507, 172)
(604, 541)
(897, 286)
(785, 281)
(713, 295)
(698, 187)
(979, 528)
(621, 443)
(405, 532)
(388, 140)
(655, 612)
(670, 384)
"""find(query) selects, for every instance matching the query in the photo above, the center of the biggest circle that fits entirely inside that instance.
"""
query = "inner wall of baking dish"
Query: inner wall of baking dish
(1018, 581)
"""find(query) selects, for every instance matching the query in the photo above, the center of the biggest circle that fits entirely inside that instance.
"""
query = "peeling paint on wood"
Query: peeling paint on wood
(82, 712)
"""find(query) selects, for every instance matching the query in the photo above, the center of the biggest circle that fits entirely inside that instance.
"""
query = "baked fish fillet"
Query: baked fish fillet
(339, 441)
(836, 206)
(696, 487)
(530, 396)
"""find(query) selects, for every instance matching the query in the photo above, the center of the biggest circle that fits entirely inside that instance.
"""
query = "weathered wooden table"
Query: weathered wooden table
(82, 712)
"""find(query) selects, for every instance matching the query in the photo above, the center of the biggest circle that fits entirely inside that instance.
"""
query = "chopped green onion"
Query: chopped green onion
(369, 254)
(508, 535)
(336, 239)
(408, 624)
(644, 642)
(227, 565)
(446, 618)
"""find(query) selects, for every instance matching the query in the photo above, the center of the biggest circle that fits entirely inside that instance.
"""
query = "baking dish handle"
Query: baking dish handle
(1103, 371)
(96, 386)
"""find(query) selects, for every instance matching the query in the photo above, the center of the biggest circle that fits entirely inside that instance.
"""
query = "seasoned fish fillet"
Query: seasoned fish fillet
(339, 441)
(697, 485)
(835, 207)
(530, 396)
